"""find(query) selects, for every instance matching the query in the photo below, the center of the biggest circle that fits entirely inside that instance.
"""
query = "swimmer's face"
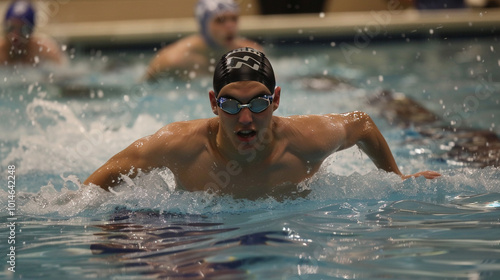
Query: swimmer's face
(223, 29)
(245, 129)
(17, 32)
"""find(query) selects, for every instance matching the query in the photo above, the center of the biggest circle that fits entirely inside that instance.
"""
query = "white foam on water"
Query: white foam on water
(71, 144)
(156, 191)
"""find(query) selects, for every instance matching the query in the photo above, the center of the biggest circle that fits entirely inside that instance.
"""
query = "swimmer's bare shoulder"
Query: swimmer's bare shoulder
(313, 136)
(173, 146)
(181, 140)
(243, 42)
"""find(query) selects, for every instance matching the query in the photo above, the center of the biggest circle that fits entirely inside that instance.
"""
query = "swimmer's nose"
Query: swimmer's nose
(231, 25)
(231, 22)
(245, 116)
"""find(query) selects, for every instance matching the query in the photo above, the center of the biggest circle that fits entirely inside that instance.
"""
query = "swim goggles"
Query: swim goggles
(256, 105)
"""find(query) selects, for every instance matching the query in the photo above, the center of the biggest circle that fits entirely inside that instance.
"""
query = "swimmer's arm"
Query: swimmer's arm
(162, 66)
(51, 50)
(140, 156)
(243, 42)
(173, 57)
(152, 69)
(360, 130)
(161, 62)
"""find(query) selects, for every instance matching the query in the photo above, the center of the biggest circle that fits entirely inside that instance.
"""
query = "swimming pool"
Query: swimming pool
(357, 223)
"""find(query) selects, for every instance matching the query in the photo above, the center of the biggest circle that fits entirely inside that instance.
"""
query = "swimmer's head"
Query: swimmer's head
(22, 11)
(244, 64)
(206, 10)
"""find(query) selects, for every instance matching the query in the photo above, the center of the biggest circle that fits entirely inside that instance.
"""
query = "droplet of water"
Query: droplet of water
(309, 168)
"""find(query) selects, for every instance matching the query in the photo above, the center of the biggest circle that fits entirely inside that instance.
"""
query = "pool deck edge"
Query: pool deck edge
(295, 26)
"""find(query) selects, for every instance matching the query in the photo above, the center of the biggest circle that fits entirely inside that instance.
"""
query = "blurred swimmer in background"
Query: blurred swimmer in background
(195, 55)
(20, 45)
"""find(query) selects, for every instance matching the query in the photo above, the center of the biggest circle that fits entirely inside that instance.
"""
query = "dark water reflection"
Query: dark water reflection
(179, 247)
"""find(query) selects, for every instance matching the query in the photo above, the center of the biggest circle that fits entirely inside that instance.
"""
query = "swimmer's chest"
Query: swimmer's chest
(233, 177)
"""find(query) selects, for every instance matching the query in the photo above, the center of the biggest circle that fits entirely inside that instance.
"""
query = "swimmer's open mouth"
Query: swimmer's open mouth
(246, 134)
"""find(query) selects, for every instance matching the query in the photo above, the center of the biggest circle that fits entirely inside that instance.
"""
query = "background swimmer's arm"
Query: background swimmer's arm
(243, 42)
(51, 50)
(165, 64)
(154, 68)
(179, 55)
(360, 130)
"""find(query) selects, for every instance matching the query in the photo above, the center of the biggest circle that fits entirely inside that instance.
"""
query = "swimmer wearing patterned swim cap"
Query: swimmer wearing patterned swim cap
(19, 44)
(246, 151)
(19, 22)
(195, 55)
(244, 64)
(23, 12)
(225, 12)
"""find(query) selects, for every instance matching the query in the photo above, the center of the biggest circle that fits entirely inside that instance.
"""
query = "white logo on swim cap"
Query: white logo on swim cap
(246, 58)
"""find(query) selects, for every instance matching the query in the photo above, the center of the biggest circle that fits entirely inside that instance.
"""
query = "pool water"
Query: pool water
(59, 125)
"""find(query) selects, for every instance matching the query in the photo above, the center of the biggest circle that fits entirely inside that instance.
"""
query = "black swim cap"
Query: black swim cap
(244, 64)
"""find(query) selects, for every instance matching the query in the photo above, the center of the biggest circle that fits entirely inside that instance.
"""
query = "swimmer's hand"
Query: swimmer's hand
(426, 174)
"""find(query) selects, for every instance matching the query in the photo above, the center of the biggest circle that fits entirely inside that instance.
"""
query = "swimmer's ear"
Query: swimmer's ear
(213, 101)
(276, 99)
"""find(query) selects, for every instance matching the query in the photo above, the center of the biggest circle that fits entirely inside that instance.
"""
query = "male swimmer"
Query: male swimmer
(196, 54)
(245, 151)
(20, 45)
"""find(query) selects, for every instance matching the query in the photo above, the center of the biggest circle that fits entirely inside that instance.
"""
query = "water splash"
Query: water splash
(156, 192)
(70, 143)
